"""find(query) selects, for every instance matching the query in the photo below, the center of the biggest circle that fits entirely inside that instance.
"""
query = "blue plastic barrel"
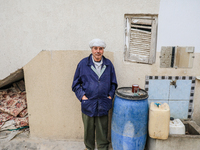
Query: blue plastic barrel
(129, 120)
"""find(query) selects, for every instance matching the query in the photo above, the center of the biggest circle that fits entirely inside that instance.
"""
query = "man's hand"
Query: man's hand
(109, 97)
(84, 97)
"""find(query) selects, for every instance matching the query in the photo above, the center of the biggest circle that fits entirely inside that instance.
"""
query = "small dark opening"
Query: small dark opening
(141, 27)
(141, 24)
(11, 84)
(148, 30)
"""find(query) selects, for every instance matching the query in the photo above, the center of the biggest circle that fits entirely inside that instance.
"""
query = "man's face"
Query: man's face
(97, 53)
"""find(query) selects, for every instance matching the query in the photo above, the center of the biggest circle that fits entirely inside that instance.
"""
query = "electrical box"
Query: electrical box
(176, 57)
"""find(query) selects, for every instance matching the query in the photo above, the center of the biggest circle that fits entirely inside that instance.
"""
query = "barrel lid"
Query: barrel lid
(126, 93)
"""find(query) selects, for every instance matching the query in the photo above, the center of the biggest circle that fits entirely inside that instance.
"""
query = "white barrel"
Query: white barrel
(159, 118)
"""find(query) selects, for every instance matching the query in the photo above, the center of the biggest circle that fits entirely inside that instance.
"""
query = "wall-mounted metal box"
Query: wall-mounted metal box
(176, 57)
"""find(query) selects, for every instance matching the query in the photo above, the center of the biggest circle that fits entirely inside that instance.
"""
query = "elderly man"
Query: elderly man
(94, 85)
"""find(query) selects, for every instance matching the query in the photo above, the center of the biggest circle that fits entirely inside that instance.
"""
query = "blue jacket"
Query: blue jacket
(96, 87)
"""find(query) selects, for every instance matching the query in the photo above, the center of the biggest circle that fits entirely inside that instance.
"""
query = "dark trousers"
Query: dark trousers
(100, 124)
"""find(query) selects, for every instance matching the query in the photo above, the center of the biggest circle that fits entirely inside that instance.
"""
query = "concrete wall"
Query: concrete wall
(27, 27)
(189, 142)
(54, 111)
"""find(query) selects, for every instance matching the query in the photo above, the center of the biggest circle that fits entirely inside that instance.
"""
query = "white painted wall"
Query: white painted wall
(179, 23)
(29, 26)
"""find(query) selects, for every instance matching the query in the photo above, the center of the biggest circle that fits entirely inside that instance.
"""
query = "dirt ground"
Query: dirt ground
(23, 141)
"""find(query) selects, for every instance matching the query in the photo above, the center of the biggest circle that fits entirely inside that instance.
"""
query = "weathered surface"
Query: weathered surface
(54, 111)
(27, 27)
(174, 143)
(178, 142)
(13, 77)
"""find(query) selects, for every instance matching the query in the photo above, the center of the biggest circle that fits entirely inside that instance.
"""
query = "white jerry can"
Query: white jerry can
(159, 118)
(176, 127)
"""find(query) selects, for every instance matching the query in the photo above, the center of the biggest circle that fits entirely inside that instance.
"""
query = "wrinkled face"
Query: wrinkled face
(97, 53)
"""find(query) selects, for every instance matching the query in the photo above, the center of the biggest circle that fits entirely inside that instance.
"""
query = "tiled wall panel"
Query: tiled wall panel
(179, 97)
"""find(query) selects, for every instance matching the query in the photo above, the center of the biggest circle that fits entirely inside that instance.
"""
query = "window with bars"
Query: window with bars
(140, 38)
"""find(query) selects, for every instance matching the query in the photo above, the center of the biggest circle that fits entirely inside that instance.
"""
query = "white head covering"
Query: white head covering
(97, 42)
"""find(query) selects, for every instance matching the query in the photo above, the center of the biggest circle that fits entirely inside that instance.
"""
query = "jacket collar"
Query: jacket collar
(90, 62)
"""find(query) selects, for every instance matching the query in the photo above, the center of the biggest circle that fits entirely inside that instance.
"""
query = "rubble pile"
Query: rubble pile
(13, 105)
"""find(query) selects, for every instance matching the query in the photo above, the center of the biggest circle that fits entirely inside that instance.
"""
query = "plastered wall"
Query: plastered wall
(54, 111)
(27, 27)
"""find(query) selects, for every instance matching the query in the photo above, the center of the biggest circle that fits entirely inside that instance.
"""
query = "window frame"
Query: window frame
(153, 41)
